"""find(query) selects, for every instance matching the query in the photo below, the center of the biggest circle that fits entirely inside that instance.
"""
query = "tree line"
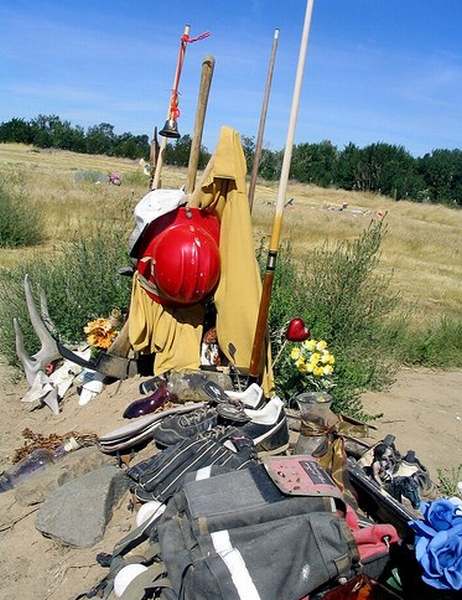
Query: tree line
(381, 168)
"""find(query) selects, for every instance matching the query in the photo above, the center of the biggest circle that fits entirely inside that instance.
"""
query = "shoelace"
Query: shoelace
(219, 433)
(194, 417)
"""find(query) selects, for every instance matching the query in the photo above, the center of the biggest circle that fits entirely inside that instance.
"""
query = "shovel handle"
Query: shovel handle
(208, 65)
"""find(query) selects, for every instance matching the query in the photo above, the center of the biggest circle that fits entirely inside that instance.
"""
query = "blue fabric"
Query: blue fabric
(438, 545)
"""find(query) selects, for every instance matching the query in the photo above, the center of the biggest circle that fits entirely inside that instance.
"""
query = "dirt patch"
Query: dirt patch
(424, 410)
(31, 566)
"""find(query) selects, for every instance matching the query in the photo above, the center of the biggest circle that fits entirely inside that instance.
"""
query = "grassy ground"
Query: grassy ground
(423, 248)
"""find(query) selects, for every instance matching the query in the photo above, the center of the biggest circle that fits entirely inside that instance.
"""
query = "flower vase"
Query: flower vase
(316, 418)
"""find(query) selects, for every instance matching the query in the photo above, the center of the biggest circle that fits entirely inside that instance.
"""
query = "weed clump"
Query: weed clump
(20, 223)
(448, 480)
(81, 283)
(345, 301)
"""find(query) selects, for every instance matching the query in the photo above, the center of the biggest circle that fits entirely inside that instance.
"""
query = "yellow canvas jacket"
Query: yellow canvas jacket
(175, 334)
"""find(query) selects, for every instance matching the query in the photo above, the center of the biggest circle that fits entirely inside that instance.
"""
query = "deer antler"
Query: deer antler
(30, 366)
(48, 347)
(44, 311)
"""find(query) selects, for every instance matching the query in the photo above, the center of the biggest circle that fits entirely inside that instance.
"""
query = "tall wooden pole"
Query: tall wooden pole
(256, 360)
(261, 125)
(163, 144)
(208, 65)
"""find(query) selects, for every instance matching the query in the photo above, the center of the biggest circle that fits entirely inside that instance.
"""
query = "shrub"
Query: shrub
(20, 223)
(343, 300)
(81, 283)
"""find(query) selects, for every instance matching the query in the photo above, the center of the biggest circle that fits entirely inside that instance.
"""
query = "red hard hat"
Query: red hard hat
(180, 260)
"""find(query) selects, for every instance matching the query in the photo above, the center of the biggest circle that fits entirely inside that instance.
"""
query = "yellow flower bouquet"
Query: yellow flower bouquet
(314, 363)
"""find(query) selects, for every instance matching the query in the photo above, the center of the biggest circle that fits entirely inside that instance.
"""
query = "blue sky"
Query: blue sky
(386, 70)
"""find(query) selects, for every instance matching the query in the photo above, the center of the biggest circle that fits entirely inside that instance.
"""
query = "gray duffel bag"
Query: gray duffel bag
(237, 537)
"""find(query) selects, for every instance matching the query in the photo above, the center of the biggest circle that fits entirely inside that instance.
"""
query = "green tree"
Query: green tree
(382, 168)
(248, 146)
(348, 167)
(270, 164)
(16, 130)
(100, 139)
(177, 153)
(65, 136)
(315, 163)
(131, 146)
(43, 126)
(442, 173)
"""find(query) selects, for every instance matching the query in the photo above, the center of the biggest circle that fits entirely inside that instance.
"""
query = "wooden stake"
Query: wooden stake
(208, 65)
(153, 154)
(261, 125)
(256, 361)
(163, 144)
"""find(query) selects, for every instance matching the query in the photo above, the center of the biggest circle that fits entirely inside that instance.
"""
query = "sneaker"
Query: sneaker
(268, 428)
(176, 428)
(180, 427)
(215, 392)
(252, 397)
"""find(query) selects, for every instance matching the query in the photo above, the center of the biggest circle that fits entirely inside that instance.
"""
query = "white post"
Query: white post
(281, 197)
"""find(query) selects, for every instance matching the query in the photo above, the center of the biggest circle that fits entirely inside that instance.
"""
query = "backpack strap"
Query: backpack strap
(136, 537)
(152, 552)
(154, 579)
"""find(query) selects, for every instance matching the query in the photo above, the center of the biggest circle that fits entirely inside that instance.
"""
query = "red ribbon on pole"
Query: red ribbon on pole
(184, 40)
(190, 40)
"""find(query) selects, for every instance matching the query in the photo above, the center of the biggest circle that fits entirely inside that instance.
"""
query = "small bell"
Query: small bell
(170, 129)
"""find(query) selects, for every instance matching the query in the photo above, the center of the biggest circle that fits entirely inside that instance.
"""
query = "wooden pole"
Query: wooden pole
(163, 143)
(153, 153)
(208, 65)
(256, 360)
(261, 125)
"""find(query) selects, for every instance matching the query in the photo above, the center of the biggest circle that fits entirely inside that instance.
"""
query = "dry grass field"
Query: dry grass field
(423, 248)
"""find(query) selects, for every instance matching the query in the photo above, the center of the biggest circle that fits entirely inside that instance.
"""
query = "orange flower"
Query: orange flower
(100, 333)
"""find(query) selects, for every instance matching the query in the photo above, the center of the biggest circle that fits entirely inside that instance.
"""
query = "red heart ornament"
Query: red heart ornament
(297, 331)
